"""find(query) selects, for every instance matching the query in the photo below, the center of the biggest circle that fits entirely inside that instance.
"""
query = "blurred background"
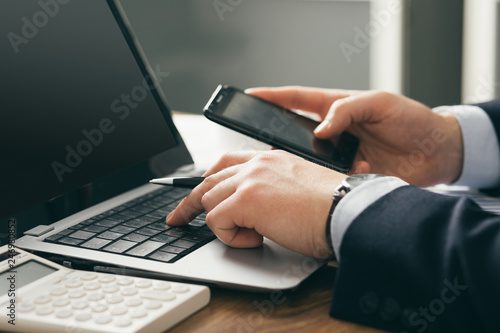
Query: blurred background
(438, 52)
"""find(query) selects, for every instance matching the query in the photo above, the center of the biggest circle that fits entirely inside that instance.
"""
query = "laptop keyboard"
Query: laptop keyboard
(137, 228)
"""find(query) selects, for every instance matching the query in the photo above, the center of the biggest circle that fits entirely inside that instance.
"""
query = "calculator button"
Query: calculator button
(143, 284)
(153, 305)
(63, 314)
(161, 285)
(131, 302)
(98, 308)
(88, 276)
(123, 322)
(60, 302)
(44, 310)
(80, 305)
(76, 294)
(114, 299)
(58, 291)
(125, 281)
(92, 286)
(73, 284)
(180, 289)
(119, 311)
(44, 299)
(103, 320)
(157, 295)
(139, 313)
(106, 278)
(95, 296)
(129, 291)
(111, 288)
(25, 307)
(84, 316)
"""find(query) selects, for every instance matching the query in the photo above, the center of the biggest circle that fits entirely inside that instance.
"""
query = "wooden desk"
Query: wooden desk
(302, 310)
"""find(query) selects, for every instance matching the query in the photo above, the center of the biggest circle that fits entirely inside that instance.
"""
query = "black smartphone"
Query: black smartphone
(279, 127)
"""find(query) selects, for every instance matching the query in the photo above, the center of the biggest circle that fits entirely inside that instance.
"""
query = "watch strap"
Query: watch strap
(339, 193)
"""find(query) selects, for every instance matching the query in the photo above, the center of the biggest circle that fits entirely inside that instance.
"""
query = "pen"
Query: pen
(187, 182)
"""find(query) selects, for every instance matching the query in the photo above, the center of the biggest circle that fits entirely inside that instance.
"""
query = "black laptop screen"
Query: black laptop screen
(76, 102)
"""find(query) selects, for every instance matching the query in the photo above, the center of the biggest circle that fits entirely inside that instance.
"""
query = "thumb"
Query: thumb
(370, 106)
(337, 120)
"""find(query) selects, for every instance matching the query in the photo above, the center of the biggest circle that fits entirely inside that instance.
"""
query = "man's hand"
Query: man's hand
(250, 195)
(398, 136)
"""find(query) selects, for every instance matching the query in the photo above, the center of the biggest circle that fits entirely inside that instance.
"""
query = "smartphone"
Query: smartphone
(279, 127)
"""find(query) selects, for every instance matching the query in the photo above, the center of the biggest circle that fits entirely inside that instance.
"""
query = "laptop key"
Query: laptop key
(134, 224)
(176, 232)
(145, 220)
(142, 209)
(122, 229)
(65, 232)
(70, 241)
(118, 217)
(165, 239)
(148, 231)
(107, 223)
(160, 225)
(84, 235)
(53, 238)
(135, 237)
(94, 228)
(197, 223)
(196, 238)
(87, 222)
(145, 248)
(110, 235)
(156, 215)
(120, 246)
(96, 243)
(131, 214)
(172, 249)
(153, 204)
(162, 256)
(185, 244)
(77, 226)
(201, 232)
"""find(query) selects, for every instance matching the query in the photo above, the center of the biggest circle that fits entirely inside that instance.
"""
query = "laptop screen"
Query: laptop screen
(77, 105)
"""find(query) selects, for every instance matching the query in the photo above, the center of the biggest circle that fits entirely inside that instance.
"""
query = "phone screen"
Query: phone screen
(271, 121)
(280, 127)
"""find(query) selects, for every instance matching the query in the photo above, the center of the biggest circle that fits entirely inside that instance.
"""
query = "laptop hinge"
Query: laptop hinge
(39, 230)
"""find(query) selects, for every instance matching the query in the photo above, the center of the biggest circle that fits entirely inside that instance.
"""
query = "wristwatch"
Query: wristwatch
(347, 185)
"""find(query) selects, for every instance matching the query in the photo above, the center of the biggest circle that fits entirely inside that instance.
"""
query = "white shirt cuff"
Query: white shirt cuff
(355, 202)
(481, 168)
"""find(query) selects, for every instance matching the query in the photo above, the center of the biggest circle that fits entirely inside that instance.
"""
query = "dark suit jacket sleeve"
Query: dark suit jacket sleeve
(417, 261)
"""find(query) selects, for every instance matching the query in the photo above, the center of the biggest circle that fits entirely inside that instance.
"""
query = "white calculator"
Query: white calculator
(38, 295)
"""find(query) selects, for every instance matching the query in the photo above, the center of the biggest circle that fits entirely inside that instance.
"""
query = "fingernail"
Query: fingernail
(319, 128)
(169, 217)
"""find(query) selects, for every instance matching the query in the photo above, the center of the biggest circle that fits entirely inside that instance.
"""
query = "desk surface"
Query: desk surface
(304, 309)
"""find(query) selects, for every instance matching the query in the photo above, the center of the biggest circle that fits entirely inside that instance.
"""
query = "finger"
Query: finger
(231, 159)
(353, 109)
(317, 100)
(191, 206)
(227, 227)
(360, 167)
(217, 194)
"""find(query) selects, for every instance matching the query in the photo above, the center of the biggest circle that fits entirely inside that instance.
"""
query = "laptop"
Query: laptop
(84, 128)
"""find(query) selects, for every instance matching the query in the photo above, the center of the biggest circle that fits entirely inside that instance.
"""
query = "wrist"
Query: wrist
(450, 152)
(348, 184)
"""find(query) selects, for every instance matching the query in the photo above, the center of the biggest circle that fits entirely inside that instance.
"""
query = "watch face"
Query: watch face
(355, 180)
